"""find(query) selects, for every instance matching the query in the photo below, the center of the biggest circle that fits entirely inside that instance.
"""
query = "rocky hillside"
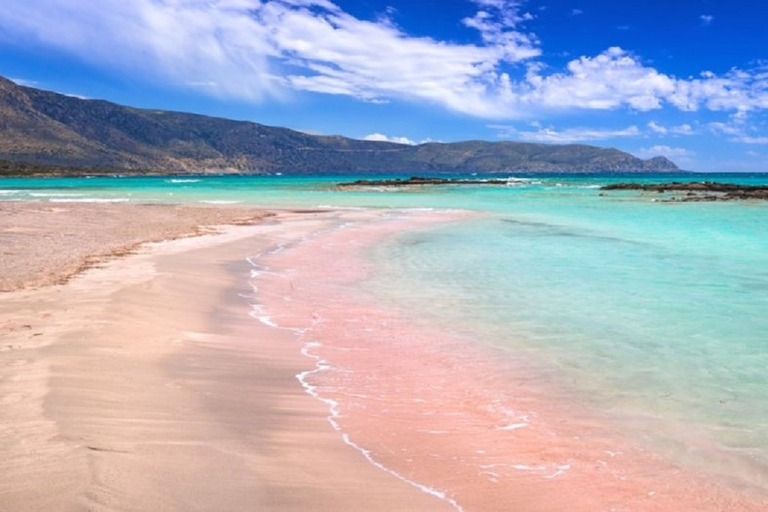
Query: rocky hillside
(58, 131)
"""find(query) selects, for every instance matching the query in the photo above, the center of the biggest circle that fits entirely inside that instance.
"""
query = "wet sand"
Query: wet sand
(144, 384)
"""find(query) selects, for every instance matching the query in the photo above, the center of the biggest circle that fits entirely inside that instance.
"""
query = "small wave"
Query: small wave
(55, 194)
(520, 182)
(182, 181)
(266, 321)
(307, 350)
(320, 366)
(219, 201)
(9, 192)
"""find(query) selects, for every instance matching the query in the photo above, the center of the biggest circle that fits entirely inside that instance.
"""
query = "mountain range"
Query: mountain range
(46, 132)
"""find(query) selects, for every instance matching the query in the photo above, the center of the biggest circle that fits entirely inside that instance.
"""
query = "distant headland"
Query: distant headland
(45, 133)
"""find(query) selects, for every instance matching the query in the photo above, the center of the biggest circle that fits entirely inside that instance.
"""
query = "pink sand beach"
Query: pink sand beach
(246, 368)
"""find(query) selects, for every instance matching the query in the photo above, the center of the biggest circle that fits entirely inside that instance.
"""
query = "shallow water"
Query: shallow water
(429, 398)
(652, 315)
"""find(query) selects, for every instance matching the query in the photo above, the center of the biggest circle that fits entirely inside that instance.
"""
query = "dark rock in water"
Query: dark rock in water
(418, 180)
(699, 191)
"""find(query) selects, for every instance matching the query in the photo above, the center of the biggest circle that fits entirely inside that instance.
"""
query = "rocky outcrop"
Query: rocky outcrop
(698, 191)
(419, 181)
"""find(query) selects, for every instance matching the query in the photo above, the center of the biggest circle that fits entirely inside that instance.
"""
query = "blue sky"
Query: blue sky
(686, 79)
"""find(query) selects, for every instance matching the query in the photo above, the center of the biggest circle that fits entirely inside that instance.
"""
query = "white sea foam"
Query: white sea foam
(320, 366)
(55, 194)
(182, 181)
(515, 182)
(9, 192)
(560, 470)
(333, 406)
(267, 321)
(219, 201)
(547, 471)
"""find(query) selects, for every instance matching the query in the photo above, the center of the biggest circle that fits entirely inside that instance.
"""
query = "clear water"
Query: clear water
(653, 312)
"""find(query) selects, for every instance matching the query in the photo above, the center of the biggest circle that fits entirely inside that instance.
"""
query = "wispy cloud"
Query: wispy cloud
(564, 136)
(260, 50)
(706, 19)
(683, 129)
(380, 137)
(662, 150)
(180, 43)
(498, 22)
(24, 82)
(746, 139)
(739, 128)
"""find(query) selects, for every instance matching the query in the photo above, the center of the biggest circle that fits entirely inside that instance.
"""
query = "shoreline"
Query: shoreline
(144, 384)
(483, 431)
(248, 369)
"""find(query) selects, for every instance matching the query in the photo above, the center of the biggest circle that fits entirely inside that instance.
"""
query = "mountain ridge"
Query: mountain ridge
(62, 132)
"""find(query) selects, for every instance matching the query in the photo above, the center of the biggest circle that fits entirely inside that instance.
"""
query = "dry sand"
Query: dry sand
(144, 384)
(46, 243)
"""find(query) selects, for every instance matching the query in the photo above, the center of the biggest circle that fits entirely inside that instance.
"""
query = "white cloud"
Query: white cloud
(683, 129)
(736, 91)
(261, 50)
(565, 136)
(178, 42)
(380, 137)
(339, 54)
(656, 128)
(745, 139)
(725, 128)
(497, 21)
(24, 82)
(662, 150)
(738, 130)
(706, 19)
(611, 80)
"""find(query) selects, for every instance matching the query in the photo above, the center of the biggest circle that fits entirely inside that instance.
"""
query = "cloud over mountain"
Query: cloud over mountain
(266, 50)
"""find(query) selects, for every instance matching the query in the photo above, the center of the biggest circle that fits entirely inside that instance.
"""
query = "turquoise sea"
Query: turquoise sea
(655, 313)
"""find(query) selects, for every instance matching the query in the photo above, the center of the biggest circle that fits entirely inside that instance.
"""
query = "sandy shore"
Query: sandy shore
(144, 384)
(47, 243)
(167, 380)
